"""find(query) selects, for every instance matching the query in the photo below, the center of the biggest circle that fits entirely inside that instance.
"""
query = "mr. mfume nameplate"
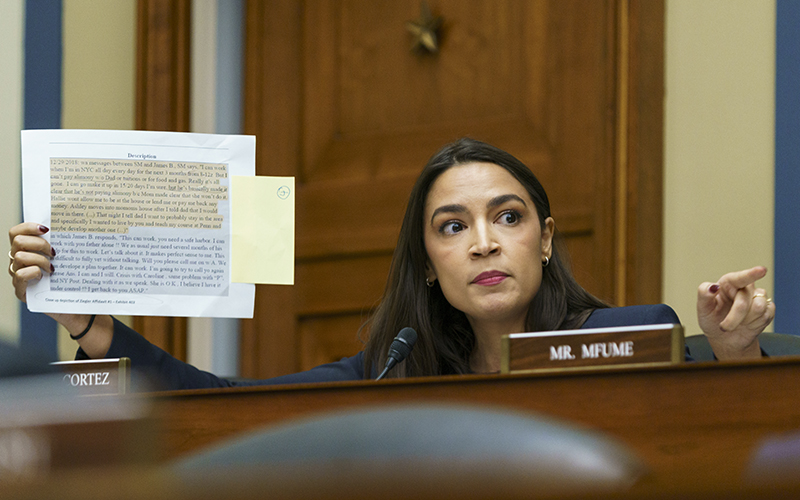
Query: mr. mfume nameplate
(597, 347)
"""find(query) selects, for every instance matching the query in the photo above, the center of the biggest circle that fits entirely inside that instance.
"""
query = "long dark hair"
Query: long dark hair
(445, 337)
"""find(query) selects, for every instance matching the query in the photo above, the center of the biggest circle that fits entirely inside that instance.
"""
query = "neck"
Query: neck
(485, 357)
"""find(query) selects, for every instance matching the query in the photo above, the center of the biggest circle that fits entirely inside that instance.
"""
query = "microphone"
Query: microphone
(400, 349)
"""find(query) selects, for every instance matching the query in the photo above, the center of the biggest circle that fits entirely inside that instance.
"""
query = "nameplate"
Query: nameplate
(592, 348)
(97, 376)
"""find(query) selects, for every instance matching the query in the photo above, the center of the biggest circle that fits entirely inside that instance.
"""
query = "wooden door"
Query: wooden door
(336, 98)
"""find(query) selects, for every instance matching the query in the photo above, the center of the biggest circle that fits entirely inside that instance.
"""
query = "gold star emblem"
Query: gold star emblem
(424, 30)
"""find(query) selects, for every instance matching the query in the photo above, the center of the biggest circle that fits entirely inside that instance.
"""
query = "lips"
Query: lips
(489, 278)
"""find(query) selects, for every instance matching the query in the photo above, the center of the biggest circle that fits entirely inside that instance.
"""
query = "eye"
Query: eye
(451, 227)
(510, 217)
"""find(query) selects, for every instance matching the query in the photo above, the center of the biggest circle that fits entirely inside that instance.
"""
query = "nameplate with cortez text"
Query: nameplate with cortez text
(97, 376)
(592, 348)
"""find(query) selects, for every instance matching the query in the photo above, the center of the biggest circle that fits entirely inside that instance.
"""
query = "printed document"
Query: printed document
(140, 221)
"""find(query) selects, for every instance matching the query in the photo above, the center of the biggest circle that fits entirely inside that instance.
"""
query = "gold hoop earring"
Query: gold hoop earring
(546, 261)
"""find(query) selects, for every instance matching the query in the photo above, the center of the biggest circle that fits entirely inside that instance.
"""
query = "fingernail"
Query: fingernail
(52, 269)
(714, 289)
(52, 251)
(43, 229)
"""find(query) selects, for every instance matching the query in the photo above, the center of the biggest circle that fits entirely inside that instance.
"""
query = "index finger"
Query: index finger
(27, 228)
(739, 310)
(741, 279)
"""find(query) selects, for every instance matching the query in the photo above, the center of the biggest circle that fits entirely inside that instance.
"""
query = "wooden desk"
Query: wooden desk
(694, 424)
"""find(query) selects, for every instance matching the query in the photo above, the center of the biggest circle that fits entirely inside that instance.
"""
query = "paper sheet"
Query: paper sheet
(140, 221)
(263, 230)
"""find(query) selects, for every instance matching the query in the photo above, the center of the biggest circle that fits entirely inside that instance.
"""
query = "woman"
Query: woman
(478, 256)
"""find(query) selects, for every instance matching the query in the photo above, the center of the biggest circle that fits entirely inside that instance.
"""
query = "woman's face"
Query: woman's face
(485, 244)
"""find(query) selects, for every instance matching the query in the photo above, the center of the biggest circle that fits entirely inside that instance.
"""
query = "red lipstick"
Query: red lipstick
(489, 278)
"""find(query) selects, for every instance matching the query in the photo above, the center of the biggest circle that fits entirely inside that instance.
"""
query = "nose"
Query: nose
(484, 241)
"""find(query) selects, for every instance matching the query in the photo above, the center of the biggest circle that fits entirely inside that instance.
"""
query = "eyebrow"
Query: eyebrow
(504, 198)
(494, 202)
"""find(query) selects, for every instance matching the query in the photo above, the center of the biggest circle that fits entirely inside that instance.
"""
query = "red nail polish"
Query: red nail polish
(713, 288)
(52, 269)
(43, 229)
(52, 251)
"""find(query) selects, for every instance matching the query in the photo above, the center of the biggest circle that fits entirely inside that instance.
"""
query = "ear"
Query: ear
(429, 272)
(548, 229)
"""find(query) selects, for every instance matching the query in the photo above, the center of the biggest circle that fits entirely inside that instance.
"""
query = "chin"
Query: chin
(499, 312)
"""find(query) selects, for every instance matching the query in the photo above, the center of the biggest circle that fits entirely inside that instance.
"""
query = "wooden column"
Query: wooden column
(644, 150)
(162, 103)
(272, 113)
